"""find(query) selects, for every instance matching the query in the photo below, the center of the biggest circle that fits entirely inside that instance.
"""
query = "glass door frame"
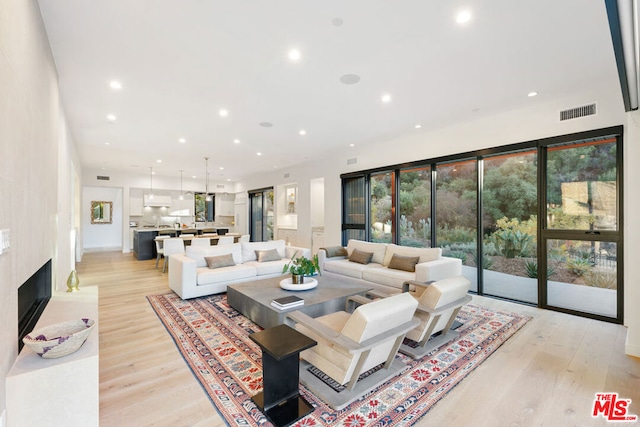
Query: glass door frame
(545, 234)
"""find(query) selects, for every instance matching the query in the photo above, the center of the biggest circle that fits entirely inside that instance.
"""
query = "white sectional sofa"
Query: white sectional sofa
(431, 265)
(190, 276)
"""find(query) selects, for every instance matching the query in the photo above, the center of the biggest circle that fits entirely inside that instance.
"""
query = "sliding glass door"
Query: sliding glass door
(457, 214)
(509, 225)
(261, 214)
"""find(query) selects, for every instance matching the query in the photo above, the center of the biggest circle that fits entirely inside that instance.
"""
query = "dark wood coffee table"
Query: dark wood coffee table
(253, 299)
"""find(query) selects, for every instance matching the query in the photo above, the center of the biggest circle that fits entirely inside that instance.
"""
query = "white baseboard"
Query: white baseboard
(2, 419)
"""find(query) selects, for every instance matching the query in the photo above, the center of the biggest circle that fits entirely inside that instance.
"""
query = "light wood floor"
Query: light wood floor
(546, 375)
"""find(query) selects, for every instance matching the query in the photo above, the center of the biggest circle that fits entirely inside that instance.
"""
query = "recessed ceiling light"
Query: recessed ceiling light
(193, 176)
(463, 17)
(221, 168)
(302, 132)
(223, 113)
(153, 172)
(236, 141)
(386, 98)
(350, 79)
(337, 22)
(532, 94)
(294, 55)
(115, 85)
(418, 126)
(111, 117)
(352, 145)
(182, 140)
(259, 153)
(228, 179)
(158, 161)
(107, 143)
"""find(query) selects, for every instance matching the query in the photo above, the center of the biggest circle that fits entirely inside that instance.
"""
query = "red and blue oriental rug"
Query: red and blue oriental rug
(213, 339)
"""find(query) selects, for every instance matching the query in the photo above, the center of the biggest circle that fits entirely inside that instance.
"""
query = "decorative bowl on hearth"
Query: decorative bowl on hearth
(59, 339)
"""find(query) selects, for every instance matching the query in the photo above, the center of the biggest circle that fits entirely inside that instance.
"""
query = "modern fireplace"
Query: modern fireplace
(33, 296)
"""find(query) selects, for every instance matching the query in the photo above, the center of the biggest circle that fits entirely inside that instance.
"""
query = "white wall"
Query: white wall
(102, 236)
(36, 157)
(632, 233)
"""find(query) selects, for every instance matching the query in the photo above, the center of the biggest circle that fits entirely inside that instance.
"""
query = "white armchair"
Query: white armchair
(350, 344)
(439, 303)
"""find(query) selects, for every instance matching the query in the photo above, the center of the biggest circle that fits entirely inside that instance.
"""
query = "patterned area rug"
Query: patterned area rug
(213, 339)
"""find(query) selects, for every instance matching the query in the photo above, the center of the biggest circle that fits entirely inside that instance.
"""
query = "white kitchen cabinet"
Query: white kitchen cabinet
(181, 207)
(224, 205)
(317, 240)
(289, 235)
(135, 206)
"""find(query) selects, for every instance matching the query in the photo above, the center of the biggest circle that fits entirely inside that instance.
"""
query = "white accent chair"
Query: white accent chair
(438, 305)
(225, 240)
(159, 247)
(201, 241)
(244, 238)
(350, 344)
(172, 246)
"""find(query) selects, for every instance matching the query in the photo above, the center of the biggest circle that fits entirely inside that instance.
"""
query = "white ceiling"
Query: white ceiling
(180, 62)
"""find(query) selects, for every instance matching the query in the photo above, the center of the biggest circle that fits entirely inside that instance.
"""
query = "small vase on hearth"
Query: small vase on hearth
(73, 282)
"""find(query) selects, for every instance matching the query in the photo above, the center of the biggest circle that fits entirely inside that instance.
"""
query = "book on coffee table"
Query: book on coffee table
(287, 302)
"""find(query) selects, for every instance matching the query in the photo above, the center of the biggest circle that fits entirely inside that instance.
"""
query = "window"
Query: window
(354, 208)
(204, 207)
(381, 205)
(414, 227)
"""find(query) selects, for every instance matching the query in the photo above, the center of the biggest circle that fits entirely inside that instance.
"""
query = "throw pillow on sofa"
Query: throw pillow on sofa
(220, 261)
(406, 263)
(335, 251)
(269, 255)
(360, 257)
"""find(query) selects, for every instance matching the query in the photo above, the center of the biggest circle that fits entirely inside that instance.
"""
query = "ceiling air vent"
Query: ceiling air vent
(102, 178)
(352, 161)
(219, 185)
(574, 113)
(286, 175)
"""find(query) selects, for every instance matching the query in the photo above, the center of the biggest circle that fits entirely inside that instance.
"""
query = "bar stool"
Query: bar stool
(225, 240)
(159, 247)
(172, 246)
(201, 241)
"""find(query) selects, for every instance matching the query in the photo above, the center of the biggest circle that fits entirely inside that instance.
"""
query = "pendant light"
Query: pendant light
(206, 179)
(151, 182)
(181, 193)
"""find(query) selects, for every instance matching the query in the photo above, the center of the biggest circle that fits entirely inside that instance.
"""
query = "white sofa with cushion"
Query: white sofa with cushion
(208, 270)
(389, 265)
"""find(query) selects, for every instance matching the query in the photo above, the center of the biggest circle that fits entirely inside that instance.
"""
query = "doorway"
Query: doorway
(261, 214)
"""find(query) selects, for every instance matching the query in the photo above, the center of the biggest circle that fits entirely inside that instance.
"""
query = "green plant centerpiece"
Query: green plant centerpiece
(300, 267)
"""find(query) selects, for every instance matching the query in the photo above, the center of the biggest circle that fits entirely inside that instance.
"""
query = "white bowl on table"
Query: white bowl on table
(309, 283)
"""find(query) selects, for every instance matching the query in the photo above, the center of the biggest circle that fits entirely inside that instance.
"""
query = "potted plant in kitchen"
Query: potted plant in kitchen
(300, 267)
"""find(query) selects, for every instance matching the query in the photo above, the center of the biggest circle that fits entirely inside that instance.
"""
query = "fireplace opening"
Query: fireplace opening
(33, 296)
